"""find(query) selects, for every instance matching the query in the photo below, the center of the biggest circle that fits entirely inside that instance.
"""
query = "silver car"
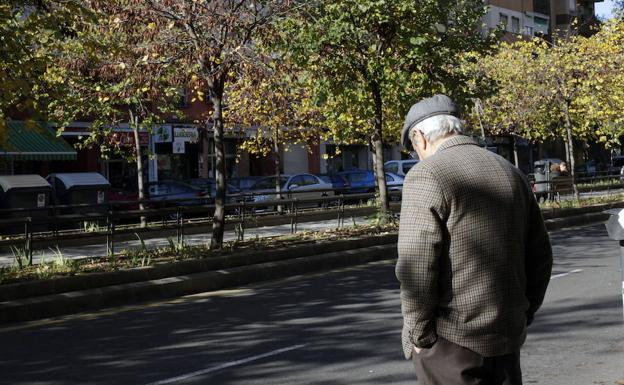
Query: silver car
(300, 186)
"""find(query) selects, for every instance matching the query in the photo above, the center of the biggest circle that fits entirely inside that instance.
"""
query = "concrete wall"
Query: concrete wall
(295, 159)
(526, 25)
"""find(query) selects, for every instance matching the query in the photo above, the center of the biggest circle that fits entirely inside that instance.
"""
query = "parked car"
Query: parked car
(172, 191)
(394, 183)
(209, 186)
(587, 169)
(400, 167)
(617, 165)
(300, 186)
(244, 183)
(122, 199)
(338, 182)
(360, 181)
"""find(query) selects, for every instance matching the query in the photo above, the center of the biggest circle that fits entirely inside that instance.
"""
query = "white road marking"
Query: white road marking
(564, 274)
(226, 365)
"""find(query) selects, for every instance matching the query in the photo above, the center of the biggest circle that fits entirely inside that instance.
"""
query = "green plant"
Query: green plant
(63, 264)
(90, 227)
(239, 231)
(381, 219)
(141, 256)
(60, 265)
(20, 256)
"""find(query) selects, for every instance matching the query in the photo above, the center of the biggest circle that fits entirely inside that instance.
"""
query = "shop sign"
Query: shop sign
(126, 139)
(178, 146)
(163, 134)
(185, 133)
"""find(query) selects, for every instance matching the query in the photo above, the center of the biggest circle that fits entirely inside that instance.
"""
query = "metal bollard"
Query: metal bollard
(615, 228)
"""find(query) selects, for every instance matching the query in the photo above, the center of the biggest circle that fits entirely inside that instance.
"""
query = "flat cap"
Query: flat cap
(426, 108)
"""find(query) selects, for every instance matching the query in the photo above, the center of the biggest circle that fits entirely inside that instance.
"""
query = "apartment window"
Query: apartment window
(503, 20)
(528, 31)
(515, 25)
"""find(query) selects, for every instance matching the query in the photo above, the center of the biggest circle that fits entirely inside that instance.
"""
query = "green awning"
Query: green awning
(33, 141)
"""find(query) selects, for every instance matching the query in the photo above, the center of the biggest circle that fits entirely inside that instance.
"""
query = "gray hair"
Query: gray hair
(439, 126)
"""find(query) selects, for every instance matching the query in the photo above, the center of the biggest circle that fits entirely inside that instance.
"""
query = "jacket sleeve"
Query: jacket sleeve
(538, 259)
(421, 241)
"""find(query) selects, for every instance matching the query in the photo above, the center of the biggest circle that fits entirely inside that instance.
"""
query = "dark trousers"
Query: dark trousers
(446, 363)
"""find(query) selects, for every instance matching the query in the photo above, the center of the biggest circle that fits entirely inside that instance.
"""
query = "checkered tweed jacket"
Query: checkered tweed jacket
(474, 255)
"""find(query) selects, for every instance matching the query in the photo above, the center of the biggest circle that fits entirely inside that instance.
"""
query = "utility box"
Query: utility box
(30, 192)
(80, 188)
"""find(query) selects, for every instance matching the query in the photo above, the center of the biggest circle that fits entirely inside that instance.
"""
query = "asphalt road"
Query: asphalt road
(333, 328)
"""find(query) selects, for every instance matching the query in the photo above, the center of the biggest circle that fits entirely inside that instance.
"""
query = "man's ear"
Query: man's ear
(419, 137)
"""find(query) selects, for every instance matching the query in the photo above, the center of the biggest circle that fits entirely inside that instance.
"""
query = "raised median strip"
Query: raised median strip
(66, 303)
(31, 300)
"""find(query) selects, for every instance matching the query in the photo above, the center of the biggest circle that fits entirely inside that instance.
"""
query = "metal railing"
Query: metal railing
(22, 227)
(57, 223)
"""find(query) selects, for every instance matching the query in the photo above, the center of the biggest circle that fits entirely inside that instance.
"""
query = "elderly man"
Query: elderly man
(474, 255)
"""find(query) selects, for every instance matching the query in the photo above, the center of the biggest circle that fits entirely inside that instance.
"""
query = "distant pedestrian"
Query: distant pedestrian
(563, 169)
(474, 255)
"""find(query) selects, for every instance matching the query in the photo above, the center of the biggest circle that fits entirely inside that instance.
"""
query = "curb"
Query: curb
(59, 285)
(576, 220)
(67, 303)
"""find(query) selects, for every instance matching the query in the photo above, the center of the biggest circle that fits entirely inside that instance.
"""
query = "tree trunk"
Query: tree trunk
(570, 142)
(277, 161)
(134, 123)
(204, 144)
(515, 151)
(478, 110)
(219, 214)
(378, 159)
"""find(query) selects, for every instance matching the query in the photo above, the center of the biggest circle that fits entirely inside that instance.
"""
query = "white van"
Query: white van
(399, 167)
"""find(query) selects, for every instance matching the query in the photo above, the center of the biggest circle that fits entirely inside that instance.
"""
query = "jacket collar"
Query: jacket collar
(458, 140)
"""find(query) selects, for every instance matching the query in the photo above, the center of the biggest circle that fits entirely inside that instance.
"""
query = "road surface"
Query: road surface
(332, 328)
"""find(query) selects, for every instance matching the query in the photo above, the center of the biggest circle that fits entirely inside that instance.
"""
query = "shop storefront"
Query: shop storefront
(176, 150)
(120, 172)
(33, 148)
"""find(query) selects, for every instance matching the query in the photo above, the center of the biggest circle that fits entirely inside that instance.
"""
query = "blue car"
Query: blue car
(360, 181)
(339, 183)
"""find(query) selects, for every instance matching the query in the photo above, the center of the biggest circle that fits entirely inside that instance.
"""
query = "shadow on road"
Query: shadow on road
(350, 321)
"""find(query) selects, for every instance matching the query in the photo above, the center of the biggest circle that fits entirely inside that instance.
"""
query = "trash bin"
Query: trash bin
(90, 188)
(30, 192)
(542, 176)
